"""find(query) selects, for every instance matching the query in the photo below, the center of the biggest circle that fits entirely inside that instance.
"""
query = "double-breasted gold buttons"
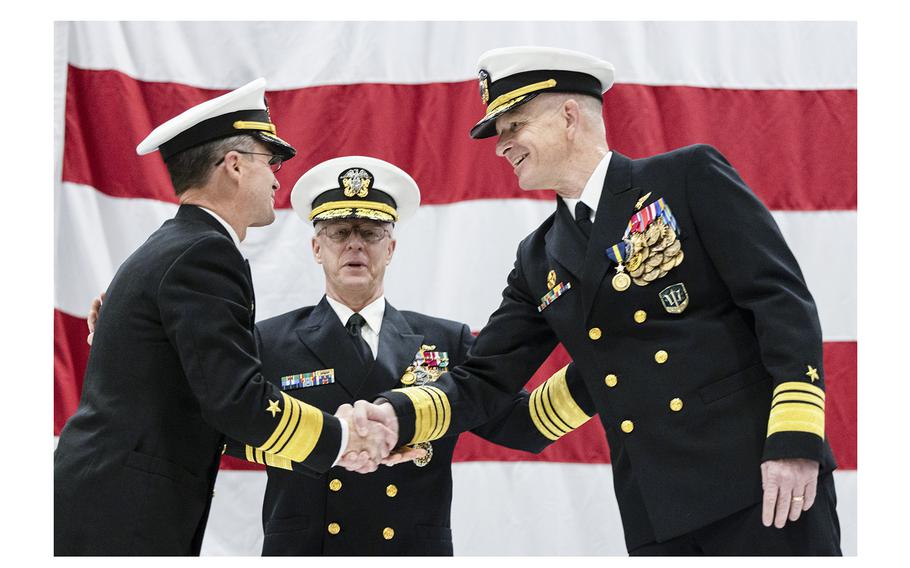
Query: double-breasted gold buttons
(611, 380)
(391, 490)
(594, 333)
(388, 533)
(334, 528)
(335, 484)
(676, 404)
(640, 316)
(627, 426)
(661, 356)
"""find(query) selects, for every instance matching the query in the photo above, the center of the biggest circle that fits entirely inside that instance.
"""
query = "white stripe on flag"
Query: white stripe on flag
(754, 55)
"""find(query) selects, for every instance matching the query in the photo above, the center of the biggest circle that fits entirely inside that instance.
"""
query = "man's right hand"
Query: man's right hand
(369, 437)
(93, 317)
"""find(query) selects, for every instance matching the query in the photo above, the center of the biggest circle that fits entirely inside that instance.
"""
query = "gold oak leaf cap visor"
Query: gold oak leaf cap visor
(355, 187)
(241, 111)
(511, 76)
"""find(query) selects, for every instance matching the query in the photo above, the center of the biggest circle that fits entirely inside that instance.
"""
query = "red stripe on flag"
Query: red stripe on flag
(585, 445)
(70, 358)
(797, 149)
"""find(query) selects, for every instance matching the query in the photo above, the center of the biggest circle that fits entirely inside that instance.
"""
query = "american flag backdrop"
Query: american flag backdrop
(778, 99)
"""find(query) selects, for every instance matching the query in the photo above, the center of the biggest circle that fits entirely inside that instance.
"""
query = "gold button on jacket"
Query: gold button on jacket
(676, 404)
(334, 528)
(388, 533)
(594, 333)
(611, 380)
(627, 426)
(641, 316)
(335, 484)
(391, 490)
(661, 356)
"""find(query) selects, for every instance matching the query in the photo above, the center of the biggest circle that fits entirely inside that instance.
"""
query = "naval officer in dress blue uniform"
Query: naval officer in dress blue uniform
(174, 364)
(685, 313)
(352, 345)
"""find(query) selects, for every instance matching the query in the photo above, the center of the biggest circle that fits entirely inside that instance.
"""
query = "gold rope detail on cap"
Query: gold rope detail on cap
(375, 206)
(251, 125)
(503, 99)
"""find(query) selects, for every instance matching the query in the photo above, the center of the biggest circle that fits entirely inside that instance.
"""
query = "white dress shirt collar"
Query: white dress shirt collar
(372, 313)
(230, 229)
(590, 195)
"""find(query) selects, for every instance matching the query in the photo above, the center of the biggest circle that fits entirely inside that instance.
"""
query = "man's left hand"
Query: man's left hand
(789, 489)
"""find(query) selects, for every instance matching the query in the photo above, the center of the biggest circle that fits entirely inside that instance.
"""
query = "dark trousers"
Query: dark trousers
(816, 533)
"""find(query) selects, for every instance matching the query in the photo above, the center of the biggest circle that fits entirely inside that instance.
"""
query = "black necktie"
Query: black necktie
(583, 218)
(354, 326)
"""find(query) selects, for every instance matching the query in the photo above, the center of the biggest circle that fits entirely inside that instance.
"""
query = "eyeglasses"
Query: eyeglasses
(341, 233)
(275, 160)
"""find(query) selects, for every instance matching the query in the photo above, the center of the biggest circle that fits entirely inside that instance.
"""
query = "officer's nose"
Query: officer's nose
(502, 146)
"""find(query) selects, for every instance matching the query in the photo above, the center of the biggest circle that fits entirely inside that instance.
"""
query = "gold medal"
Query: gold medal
(408, 378)
(668, 264)
(653, 233)
(621, 282)
(655, 260)
(640, 281)
(651, 276)
(679, 258)
(635, 261)
(638, 272)
(672, 249)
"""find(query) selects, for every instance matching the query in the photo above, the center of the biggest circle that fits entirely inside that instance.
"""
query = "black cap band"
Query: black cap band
(213, 129)
(566, 82)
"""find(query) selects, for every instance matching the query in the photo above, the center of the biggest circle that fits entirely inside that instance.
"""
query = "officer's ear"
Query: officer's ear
(232, 164)
(571, 115)
(317, 247)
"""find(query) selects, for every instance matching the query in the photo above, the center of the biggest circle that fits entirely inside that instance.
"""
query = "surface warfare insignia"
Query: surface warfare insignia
(427, 366)
(650, 246)
(311, 379)
(355, 181)
(674, 298)
(484, 79)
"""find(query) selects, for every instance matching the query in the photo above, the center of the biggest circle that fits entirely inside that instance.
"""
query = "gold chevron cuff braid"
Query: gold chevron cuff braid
(797, 407)
(297, 432)
(553, 410)
(432, 412)
(260, 457)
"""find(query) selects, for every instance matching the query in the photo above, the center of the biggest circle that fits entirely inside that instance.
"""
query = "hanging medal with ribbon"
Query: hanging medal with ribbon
(618, 253)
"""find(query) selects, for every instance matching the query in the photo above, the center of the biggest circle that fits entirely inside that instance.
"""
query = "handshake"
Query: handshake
(372, 436)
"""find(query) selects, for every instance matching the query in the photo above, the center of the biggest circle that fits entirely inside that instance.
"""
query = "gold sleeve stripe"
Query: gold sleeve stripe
(553, 410)
(297, 433)
(258, 456)
(797, 417)
(432, 412)
(278, 461)
(537, 414)
(800, 387)
(792, 396)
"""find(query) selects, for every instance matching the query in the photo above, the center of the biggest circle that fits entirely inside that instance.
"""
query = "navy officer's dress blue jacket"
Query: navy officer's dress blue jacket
(400, 510)
(705, 367)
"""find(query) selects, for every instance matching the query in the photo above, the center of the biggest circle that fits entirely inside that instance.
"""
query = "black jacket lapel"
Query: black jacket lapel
(324, 335)
(565, 242)
(617, 202)
(397, 346)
